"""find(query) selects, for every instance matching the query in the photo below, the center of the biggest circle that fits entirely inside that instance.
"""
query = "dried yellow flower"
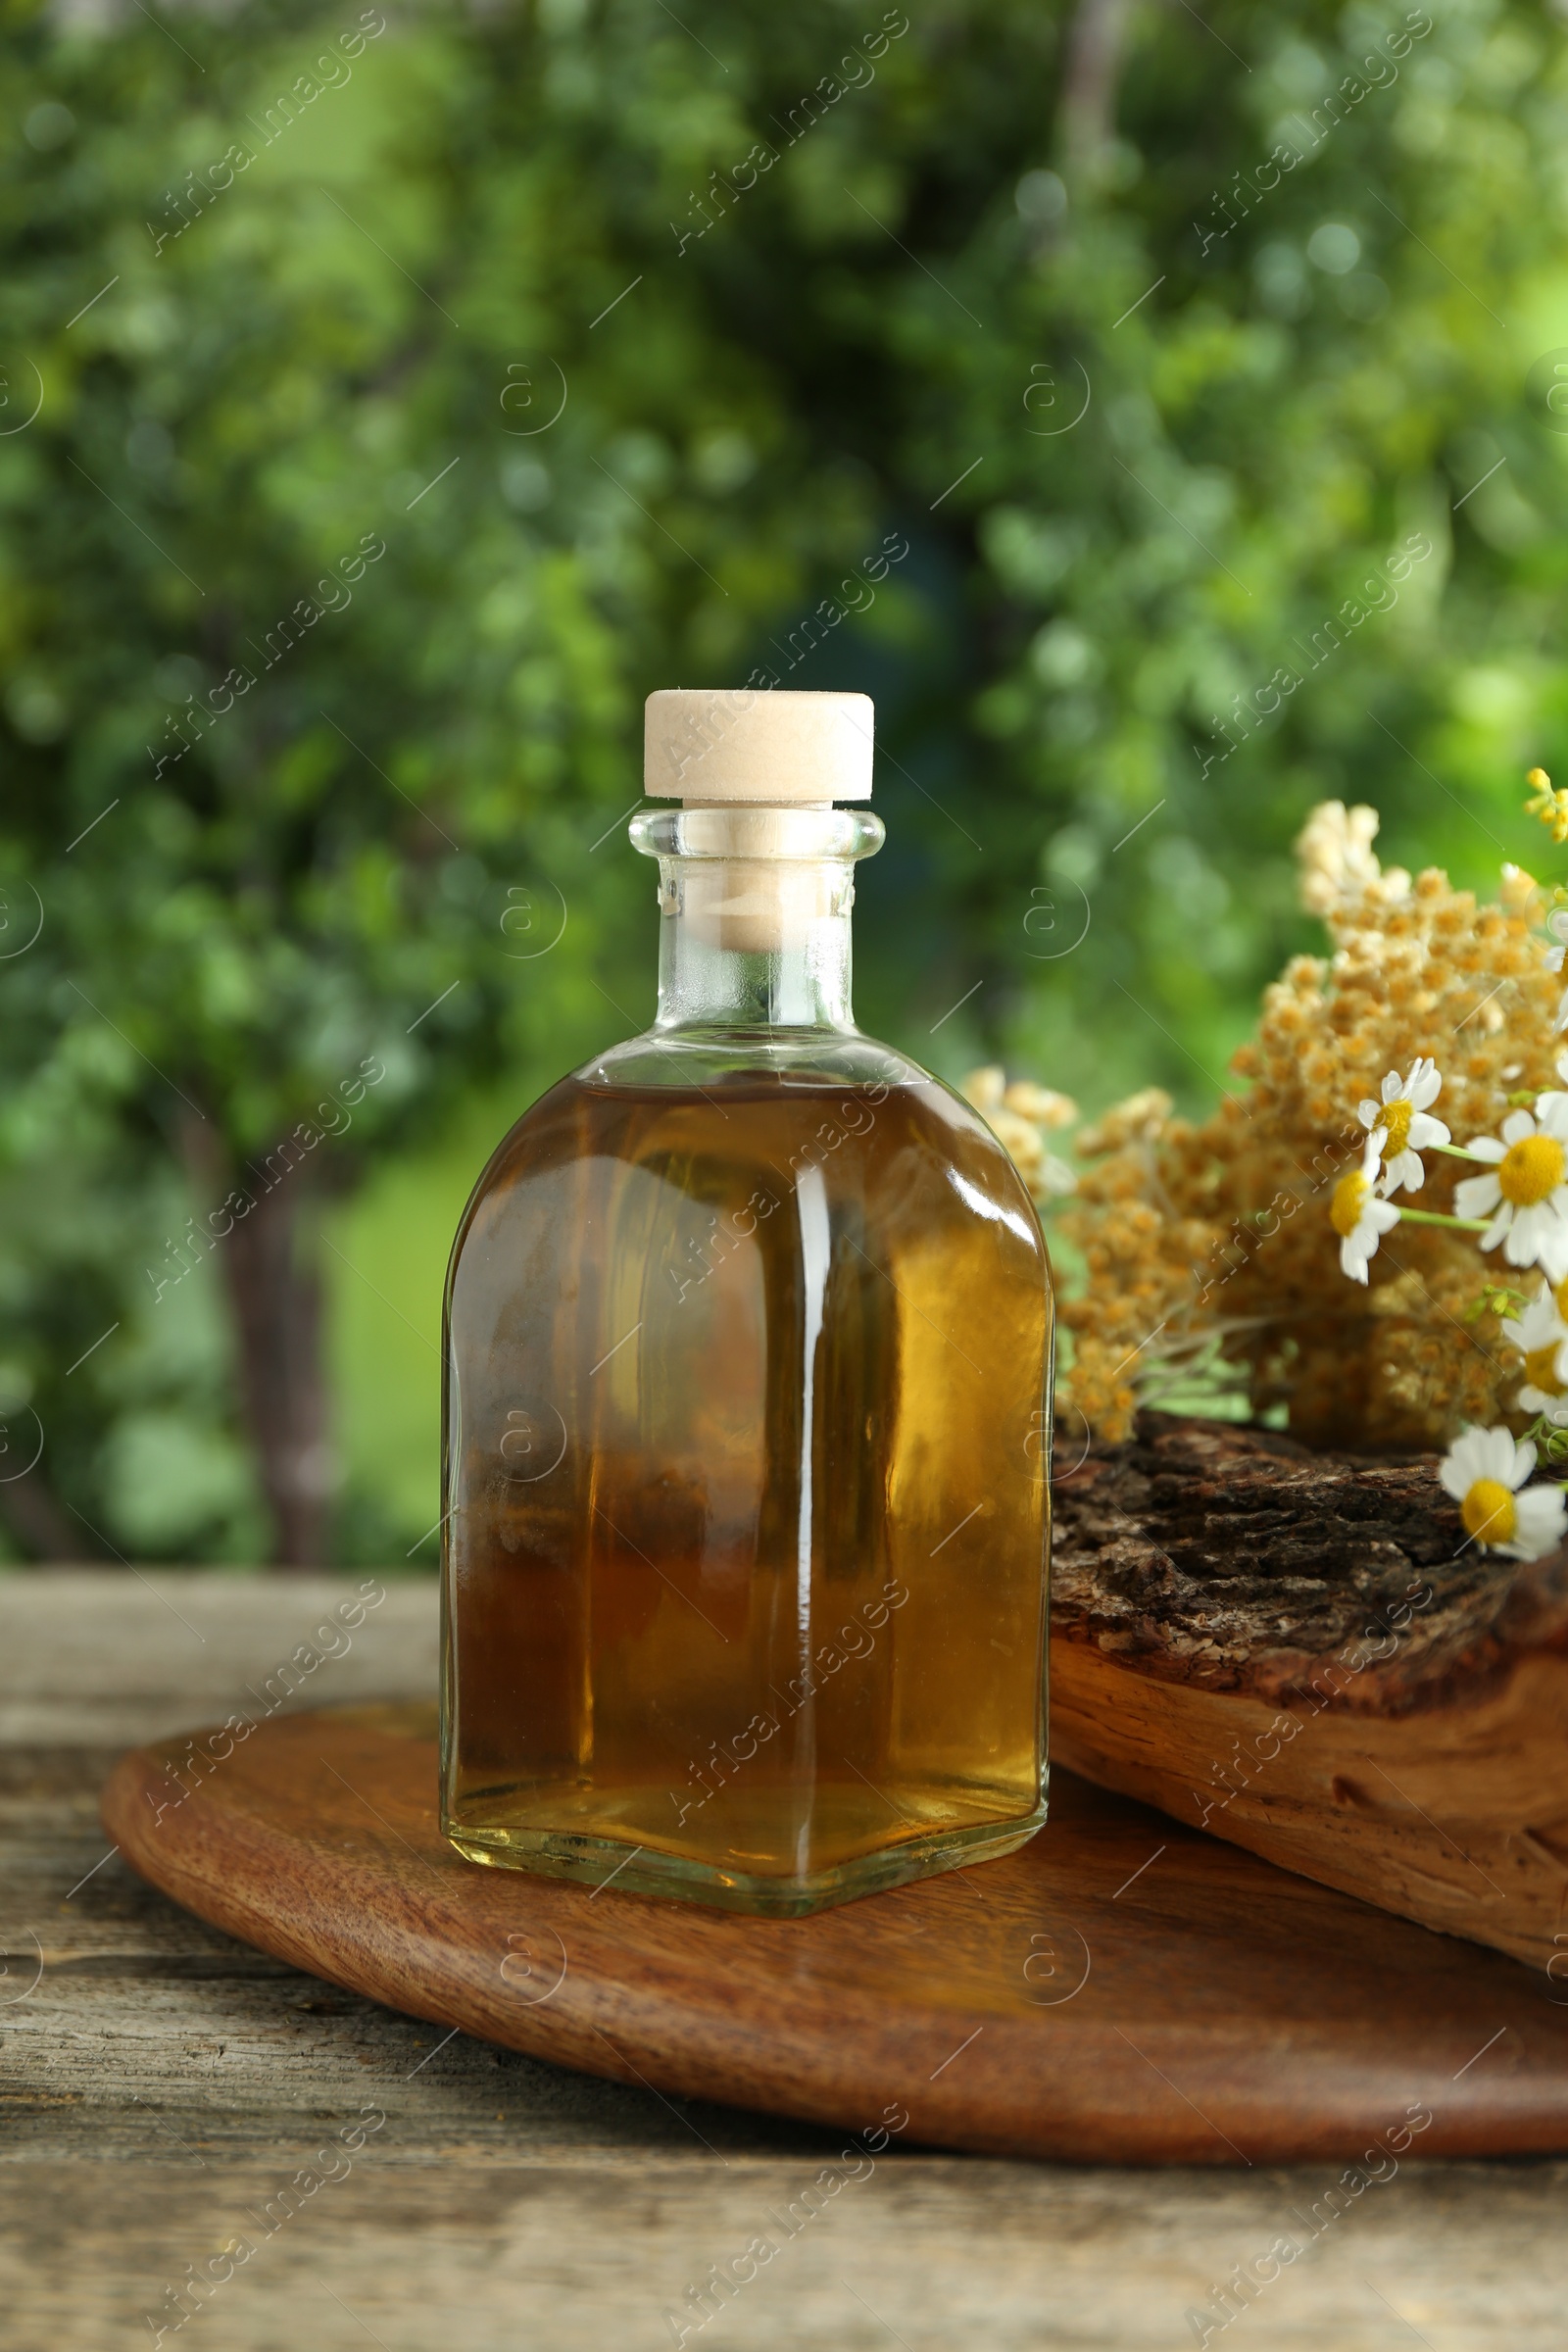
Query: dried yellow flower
(1040, 1105)
(1209, 1253)
(984, 1089)
(1019, 1116)
(1139, 1119)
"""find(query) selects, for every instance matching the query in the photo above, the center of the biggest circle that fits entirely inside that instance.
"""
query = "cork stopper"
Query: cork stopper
(710, 747)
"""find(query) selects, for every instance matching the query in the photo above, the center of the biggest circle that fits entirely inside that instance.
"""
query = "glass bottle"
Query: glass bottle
(747, 1423)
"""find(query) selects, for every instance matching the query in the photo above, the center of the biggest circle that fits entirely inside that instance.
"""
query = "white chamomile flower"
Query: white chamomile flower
(1541, 1339)
(1527, 1199)
(1358, 1215)
(1558, 925)
(1484, 1470)
(1404, 1116)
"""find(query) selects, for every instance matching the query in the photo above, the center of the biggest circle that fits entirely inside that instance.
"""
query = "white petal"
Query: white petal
(1528, 1229)
(1524, 1461)
(1427, 1086)
(1426, 1132)
(1465, 1461)
(1485, 1147)
(1497, 1228)
(1471, 1448)
(1551, 1111)
(1477, 1195)
(1352, 1260)
(1538, 1326)
(1516, 1127)
(1539, 1514)
(1369, 1113)
(1406, 1171)
(1562, 1067)
(1552, 1253)
(1553, 960)
(1392, 1087)
(1499, 1459)
(1468, 1454)
(1539, 1234)
(1543, 1505)
(1381, 1215)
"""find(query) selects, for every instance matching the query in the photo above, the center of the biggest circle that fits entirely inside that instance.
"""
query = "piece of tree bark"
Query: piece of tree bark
(1301, 1652)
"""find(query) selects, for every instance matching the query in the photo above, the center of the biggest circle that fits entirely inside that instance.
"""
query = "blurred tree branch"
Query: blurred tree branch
(1087, 115)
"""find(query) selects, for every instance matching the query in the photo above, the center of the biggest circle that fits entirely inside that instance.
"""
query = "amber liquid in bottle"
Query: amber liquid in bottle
(747, 1437)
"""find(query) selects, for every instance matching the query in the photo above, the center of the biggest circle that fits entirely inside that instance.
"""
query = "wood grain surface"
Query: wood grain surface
(160, 2080)
(1119, 1988)
(1454, 1818)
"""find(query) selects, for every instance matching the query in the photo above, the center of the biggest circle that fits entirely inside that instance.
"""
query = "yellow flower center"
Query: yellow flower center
(1349, 1199)
(1560, 1295)
(1396, 1117)
(1530, 1172)
(1488, 1512)
(1541, 1369)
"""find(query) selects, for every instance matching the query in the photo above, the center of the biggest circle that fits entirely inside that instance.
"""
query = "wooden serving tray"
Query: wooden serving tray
(1122, 1988)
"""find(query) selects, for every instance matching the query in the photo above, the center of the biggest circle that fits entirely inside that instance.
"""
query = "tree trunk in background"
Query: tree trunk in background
(1088, 107)
(271, 1266)
(37, 1519)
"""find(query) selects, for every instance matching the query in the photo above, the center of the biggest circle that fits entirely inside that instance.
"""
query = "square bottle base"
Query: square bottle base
(602, 1861)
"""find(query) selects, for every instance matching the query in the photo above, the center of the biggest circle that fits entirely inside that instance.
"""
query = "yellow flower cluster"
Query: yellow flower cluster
(1021, 1116)
(1208, 1252)
(1550, 806)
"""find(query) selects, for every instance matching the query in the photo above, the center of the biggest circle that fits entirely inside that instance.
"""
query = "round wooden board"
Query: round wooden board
(1121, 1989)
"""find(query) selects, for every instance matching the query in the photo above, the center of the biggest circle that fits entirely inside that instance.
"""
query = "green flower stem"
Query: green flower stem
(1458, 1152)
(1431, 1216)
(1552, 1441)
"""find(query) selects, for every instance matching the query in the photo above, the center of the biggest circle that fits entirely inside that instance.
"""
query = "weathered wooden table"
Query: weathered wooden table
(159, 2085)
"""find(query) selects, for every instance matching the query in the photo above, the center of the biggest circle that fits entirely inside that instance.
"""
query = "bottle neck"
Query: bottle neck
(802, 982)
(755, 914)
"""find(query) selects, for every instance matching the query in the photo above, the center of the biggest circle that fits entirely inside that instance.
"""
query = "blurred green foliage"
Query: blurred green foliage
(415, 391)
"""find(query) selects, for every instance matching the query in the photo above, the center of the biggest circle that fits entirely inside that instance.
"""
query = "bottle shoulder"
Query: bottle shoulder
(847, 1112)
(794, 1077)
(702, 1057)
